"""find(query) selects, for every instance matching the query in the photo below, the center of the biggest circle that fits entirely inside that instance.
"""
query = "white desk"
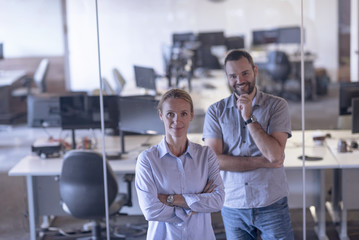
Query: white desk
(8, 77)
(345, 181)
(314, 177)
(42, 176)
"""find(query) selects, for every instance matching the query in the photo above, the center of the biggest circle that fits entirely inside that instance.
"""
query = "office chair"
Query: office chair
(82, 188)
(39, 80)
(278, 67)
(119, 80)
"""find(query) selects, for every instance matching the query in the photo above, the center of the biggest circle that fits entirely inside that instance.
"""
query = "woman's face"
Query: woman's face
(176, 115)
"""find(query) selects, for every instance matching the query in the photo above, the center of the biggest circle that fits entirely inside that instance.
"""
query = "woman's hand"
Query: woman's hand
(209, 187)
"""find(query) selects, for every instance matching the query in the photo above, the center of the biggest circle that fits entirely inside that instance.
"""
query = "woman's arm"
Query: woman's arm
(152, 208)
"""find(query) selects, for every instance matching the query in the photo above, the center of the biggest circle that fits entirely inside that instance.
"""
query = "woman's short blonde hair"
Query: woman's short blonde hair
(175, 93)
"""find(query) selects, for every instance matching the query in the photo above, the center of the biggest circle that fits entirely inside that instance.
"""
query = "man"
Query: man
(248, 131)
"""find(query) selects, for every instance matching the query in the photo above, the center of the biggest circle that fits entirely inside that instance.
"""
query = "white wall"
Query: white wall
(31, 28)
(132, 32)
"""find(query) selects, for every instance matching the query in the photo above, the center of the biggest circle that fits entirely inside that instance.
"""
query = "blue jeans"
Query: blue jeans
(271, 222)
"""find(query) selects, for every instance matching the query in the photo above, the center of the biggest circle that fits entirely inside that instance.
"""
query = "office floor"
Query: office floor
(15, 142)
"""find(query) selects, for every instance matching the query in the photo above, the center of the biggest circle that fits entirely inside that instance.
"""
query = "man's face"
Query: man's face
(241, 76)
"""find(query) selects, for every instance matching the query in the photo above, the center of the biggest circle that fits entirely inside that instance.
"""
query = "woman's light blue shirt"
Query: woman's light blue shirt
(160, 172)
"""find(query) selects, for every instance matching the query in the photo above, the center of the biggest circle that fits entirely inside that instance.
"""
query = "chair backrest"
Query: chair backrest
(82, 184)
(40, 74)
(107, 88)
(119, 80)
(278, 65)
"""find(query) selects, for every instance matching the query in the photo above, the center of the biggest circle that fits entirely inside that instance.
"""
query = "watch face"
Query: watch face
(254, 119)
(170, 199)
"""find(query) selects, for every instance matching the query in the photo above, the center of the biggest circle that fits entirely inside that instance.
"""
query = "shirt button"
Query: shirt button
(246, 184)
(244, 141)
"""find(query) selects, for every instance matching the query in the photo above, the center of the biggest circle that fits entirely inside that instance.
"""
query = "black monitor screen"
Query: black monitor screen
(183, 37)
(347, 91)
(289, 35)
(355, 115)
(145, 77)
(261, 37)
(83, 112)
(139, 115)
(212, 38)
(234, 42)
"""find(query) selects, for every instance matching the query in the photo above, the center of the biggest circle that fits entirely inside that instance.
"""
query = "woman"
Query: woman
(178, 181)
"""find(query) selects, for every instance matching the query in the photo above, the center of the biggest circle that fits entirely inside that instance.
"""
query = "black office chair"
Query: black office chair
(39, 80)
(82, 188)
(278, 67)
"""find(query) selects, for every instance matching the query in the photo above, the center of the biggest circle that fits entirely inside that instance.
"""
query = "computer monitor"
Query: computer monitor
(347, 91)
(181, 38)
(43, 110)
(211, 38)
(139, 115)
(261, 37)
(83, 112)
(235, 42)
(355, 115)
(145, 77)
(289, 35)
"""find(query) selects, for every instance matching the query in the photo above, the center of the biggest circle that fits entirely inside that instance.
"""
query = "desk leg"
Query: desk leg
(343, 223)
(31, 205)
(333, 206)
(318, 212)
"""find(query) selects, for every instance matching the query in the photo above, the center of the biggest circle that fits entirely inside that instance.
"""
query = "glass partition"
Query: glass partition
(183, 44)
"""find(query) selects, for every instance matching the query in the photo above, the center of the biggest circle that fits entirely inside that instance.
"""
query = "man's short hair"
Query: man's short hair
(236, 54)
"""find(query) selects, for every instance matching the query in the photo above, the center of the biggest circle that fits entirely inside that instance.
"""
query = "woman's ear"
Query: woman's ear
(160, 115)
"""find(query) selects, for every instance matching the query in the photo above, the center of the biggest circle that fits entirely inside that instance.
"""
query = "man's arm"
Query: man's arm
(271, 146)
(236, 163)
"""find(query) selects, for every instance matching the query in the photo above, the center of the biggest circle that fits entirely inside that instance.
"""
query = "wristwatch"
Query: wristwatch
(170, 199)
(252, 119)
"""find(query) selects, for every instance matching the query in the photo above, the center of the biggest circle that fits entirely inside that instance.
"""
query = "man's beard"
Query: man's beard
(250, 89)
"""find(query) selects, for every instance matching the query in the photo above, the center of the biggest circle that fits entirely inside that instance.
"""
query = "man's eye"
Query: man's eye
(169, 114)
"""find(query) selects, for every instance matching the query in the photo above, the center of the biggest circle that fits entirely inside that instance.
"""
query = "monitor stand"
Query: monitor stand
(73, 138)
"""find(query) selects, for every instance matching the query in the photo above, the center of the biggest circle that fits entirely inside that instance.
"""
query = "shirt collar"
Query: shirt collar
(163, 149)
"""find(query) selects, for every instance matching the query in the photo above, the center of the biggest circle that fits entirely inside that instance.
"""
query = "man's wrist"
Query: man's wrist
(252, 119)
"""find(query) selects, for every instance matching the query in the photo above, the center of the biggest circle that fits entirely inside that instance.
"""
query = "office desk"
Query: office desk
(315, 181)
(42, 176)
(345, 181)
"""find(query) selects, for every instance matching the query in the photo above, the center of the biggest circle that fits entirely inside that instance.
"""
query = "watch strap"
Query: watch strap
(250, 120)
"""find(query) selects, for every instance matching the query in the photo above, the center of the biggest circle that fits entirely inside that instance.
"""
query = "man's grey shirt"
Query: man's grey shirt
(260, 187)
